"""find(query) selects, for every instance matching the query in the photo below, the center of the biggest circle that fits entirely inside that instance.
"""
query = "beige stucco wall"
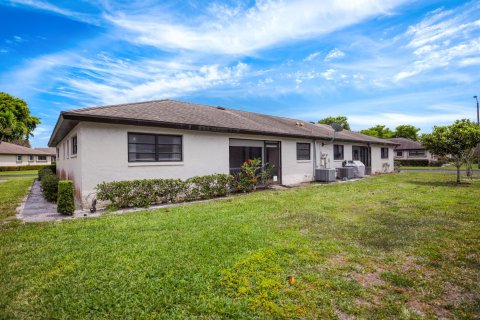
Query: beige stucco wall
(10, 160)
(376, 161)
(103, 156)
(428, 156)
(69, 166)
(380, 165)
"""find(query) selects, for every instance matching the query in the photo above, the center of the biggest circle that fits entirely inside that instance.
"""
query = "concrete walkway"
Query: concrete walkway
(37, 209)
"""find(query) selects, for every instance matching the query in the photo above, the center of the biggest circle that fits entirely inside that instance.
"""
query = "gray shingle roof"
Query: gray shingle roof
(170, 113)
(10, 148)
(406, 144)
(50, 151)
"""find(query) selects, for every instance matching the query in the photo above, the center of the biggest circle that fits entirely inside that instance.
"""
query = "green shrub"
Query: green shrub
(142, 193)
(247, 178)
(413, 163)
(207, 187)
(65, 200)
(438, 163)
(50, 187)
(53, 167)
(43, 172)
(23, 168)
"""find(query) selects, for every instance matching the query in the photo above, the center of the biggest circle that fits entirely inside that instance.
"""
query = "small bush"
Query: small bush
(50, 187)
(207, 187)
(246, 179)
(43, 172)
(65, 200)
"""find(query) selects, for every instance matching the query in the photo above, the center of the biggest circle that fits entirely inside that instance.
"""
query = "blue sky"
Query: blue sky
(376, 61)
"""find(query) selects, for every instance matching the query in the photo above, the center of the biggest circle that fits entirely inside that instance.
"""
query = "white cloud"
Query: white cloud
(124, 81)
(267, 24)
(334, 54)
(328, 74)
(46, 6)
(312, 56)
(444, 38)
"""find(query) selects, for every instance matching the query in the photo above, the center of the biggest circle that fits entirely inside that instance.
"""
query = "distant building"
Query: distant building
(51, 151)
(411, 150)
(12, 155)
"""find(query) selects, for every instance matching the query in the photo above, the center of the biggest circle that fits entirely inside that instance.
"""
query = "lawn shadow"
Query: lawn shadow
(463, 184)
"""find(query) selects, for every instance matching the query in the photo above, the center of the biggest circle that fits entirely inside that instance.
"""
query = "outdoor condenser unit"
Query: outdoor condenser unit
(325, 175)
(345, 172)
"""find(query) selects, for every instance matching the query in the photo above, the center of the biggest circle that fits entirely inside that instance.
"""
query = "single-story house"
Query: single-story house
(12, 155)
(172, 139)
(51, 151)
(407, 149)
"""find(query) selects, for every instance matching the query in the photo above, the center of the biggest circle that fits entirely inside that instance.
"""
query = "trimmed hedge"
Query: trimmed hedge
(65, 201)
(143, 193)
(43, 172)
(50, 187)
(421, 163)
(23, 168)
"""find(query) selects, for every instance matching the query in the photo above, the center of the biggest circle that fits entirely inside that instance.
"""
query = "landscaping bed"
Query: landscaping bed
(391, 246)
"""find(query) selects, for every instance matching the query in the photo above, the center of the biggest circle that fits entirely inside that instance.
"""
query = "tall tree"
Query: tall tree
(16, 123)
(457, 142)
(379, 131)
(407, 131)
(341, 120)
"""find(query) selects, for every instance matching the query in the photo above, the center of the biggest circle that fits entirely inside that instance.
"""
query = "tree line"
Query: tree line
(380, 131)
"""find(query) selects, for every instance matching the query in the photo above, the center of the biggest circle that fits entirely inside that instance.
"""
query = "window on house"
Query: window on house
(154, 148)
(19, 158)
(41, 158)
(337, 152)
(303, 151)
(74, 145)
(384, 152)
(63, 151)
(30, 158)
(68, 149)
(416, 153)
(399, 153)
(58, 152)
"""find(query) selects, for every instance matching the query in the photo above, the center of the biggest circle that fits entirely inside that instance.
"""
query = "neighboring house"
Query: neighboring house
(411, 150)
(13, 155)
(171, 139)
(51, 151)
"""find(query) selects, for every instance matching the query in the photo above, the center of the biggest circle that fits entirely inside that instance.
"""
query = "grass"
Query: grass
(393, 246)
(12, 191)
(15, 173)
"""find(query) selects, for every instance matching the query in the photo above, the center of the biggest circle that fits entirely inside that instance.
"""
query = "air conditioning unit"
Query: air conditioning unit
(325, 175)
(345, 172)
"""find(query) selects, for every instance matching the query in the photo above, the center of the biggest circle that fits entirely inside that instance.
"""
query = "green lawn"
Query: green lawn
(12, 191)
(392, 246)
(14, 173)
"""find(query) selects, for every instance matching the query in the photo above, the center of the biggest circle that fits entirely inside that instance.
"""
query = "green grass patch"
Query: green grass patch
(12, 191)
(393, 246)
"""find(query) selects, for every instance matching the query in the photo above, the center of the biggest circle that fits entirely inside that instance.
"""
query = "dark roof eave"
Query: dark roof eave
(128, 121)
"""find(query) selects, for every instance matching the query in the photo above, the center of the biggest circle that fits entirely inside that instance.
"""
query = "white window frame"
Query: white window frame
(19, 158)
